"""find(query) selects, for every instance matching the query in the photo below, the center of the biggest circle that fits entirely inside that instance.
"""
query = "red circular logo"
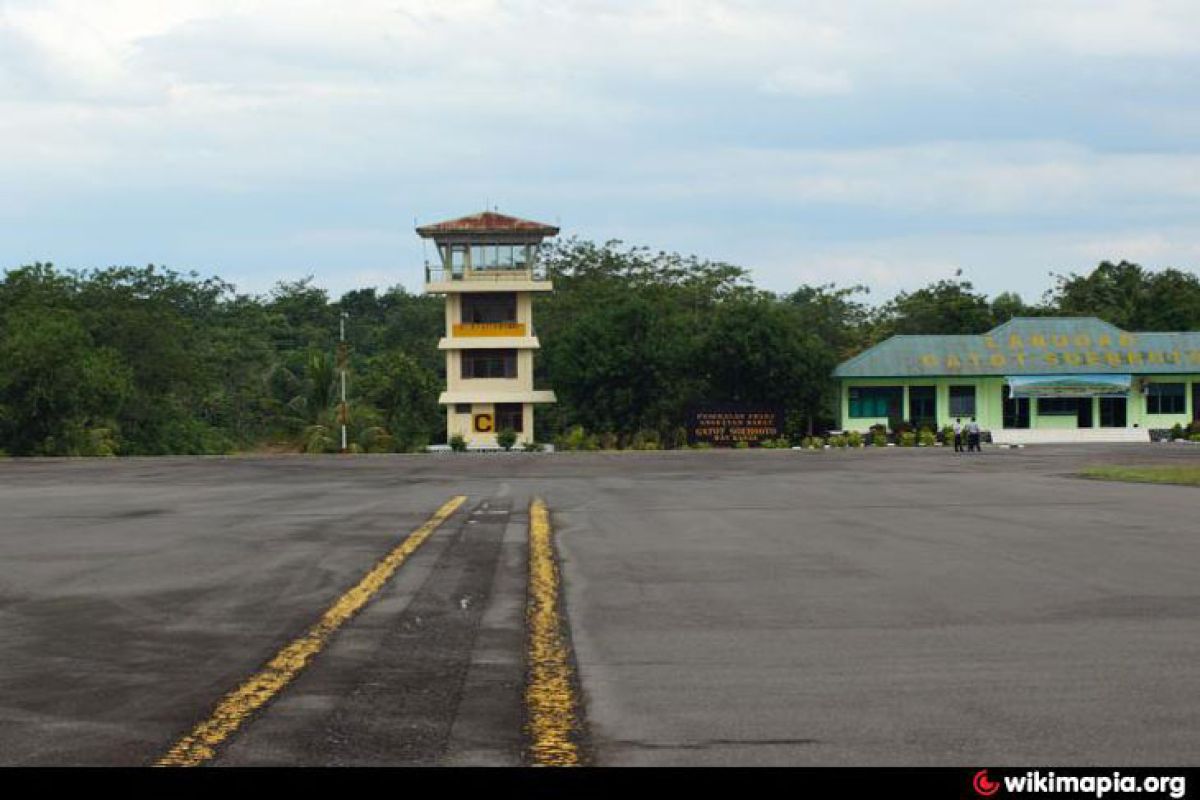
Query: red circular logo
(983, 786)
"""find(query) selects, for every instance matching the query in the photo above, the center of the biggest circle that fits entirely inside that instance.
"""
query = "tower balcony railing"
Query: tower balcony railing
(489, 275)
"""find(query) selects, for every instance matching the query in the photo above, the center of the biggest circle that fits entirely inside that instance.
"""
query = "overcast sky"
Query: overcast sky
(881, 142)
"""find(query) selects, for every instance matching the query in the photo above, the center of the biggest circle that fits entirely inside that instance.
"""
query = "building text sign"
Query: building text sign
(1057, 352)
(489, 329)
(725, 426)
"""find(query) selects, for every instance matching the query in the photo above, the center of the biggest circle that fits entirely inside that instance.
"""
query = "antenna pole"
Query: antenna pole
(342, 367)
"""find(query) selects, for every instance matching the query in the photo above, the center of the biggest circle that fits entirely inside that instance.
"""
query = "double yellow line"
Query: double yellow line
(235, 708)
(554, 716)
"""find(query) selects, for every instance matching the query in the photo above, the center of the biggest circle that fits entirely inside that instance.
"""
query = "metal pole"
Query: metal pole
(342, 364)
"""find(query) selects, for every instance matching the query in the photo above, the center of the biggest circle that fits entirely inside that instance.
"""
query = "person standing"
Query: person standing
(958, 433)
(973, 436)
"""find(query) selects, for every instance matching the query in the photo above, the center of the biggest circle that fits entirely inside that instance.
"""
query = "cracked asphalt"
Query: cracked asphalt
(726, 607)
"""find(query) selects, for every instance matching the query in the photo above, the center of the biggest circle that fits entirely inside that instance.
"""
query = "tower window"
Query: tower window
(489, 363)
(489, 307)
(509, 416)
(500, 256)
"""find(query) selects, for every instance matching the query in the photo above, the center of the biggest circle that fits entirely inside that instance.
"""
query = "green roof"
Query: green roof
(1030, 346)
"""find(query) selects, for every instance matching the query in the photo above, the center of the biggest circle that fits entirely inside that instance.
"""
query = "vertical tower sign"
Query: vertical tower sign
(488, 271)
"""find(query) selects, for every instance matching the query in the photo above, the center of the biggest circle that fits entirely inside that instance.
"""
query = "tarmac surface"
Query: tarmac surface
(897, 607)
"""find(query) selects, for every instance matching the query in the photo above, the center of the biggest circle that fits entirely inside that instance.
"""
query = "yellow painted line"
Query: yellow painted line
(550, 699)
(236, 707)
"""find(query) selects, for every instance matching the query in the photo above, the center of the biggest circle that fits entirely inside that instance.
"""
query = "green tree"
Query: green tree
(944, 307)
(759, 350)
(59, 393)
(405, 393)
(833, 315)
(1131, 297)
(620, 335)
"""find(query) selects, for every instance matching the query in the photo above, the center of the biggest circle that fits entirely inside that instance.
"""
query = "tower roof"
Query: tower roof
(486, 222)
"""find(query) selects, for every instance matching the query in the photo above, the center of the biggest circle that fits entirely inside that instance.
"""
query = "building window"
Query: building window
(489, 363)
(877, 402)
(462, 408)
(489, 307)
(1058, 406)
(509, 417)
(962, 401)
(1166, 398)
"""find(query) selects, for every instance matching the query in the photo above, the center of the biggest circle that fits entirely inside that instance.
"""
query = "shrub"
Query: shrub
(742, 446)
(506, 438)
(908, 439)
(926, 439)
(532, 447)
(608, 441)
(577, 439)
(376, 439)
(318, 439)
(1177, 432)
(99, 442)
(702, 446)
(837, 441)
(457, 443)
(854, 439)
(948, 434)
(879, 439)
(679, 438)
(644, 440)
(1195, 437)
(416, 444)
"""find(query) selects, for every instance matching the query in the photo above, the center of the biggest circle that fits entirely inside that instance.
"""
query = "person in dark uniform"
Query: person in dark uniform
(958, 432)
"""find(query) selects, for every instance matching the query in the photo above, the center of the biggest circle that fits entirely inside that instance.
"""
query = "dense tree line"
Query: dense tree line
(144, 361)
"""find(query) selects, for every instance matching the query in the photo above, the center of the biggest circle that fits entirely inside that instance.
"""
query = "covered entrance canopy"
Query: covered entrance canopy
(1069, 385)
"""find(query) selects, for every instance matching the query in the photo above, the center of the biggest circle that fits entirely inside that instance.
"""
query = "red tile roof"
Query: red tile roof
(487, 222)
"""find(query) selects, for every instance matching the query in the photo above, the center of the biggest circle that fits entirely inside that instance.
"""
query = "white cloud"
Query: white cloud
(1145, 247)
(807, 83)
(660, 118)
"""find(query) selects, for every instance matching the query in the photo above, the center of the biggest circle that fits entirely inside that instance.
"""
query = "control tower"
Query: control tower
(488, 271)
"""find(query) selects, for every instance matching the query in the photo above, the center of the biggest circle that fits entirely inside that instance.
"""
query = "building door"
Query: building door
(1112, 412)
(1016, 411)
(1083, 417)
(922, 406)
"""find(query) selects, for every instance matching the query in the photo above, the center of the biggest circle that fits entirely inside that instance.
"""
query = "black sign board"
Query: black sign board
(726, 425)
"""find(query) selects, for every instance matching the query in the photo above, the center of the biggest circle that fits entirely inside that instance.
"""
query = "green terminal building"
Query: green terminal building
(1032, 379)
